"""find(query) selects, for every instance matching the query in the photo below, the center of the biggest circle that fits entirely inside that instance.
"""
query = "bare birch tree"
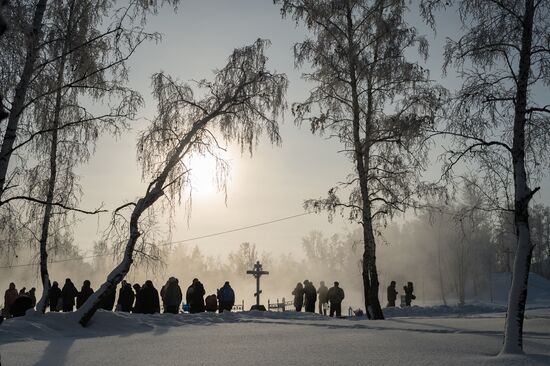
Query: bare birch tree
(243, 100)
(359, 68)
(77, 62)
(497, 120)
(64, 106)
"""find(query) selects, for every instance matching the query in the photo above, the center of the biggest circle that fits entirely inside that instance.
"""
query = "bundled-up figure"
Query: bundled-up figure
(195, 297)
(171, 296)
(149, 298)
(335, 296)
(392, 294)
(323, 298)
(125, 297)
(211, 303)
(9, 298)
(54, 295)
(409, 296)
(21, 305)
(84, 294)
(310, 296)
(68, 294)
(32, 295)
(298, 293)
(226, 298)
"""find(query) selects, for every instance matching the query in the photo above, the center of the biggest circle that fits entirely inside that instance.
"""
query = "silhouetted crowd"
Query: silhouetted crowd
(306, 296)
(16, 303)
(144, 299)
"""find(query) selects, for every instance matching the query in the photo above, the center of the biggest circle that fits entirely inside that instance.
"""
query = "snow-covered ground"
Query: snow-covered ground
(417, 336)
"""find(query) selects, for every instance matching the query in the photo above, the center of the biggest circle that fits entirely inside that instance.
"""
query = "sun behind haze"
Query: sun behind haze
(273, 183)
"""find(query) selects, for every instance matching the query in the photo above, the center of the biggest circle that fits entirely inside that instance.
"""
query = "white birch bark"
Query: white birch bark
(18, 103)
(513, 334)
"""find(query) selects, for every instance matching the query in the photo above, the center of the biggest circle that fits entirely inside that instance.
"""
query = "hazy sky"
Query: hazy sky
(272, 184)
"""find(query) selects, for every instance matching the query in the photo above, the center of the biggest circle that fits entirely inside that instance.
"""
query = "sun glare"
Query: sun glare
(203, 175)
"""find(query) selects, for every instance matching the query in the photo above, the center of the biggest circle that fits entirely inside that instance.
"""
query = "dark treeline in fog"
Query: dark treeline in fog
(454, 254)
(451, 254)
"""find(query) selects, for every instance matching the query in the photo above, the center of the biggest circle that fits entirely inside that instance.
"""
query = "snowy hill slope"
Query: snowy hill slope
(538, 292)
(265, 339)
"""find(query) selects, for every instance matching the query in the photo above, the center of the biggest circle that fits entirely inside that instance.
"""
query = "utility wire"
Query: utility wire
(170, 243)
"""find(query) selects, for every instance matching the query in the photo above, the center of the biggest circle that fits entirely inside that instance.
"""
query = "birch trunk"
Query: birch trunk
(116, 276)
(361, 150)
(460, 276)
(370, 272)
(41, 306)
(52, 181)
(441, 285)
(513, 333)
(371, 284)
(21, 92)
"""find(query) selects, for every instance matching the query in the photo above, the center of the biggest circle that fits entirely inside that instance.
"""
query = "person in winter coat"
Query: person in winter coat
(211, 303)
(171, 296)
(10, 296)
(149, 298)
(335, 297)
(226, 298)
(298, 296)
(54, 295)
(108, 301)
(392, 294)
(21, 305)
(125, 297)
(32, 295)
(137, 309)
(409, 296)
(68, 293)
(189, 293)
(85, 292)
(310, 296)
(195, 297)
(323, 298)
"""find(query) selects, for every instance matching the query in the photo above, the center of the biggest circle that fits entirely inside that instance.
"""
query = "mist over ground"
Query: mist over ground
(448, 255)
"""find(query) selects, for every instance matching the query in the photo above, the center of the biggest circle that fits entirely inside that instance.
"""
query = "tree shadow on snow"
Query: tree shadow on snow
(534, 359)
(448, 329)
(56, 352)
(540, 358)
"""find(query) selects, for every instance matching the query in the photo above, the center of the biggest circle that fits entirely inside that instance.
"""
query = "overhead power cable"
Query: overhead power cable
(171, 242)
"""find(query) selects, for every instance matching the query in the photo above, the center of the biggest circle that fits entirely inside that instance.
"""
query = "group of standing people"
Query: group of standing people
(392, 294)
(305, 295)
(65, 298)
(144, 299)
(223, 300)
(16, 303)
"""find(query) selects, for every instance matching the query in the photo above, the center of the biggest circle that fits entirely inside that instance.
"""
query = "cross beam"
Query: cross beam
(257, 272)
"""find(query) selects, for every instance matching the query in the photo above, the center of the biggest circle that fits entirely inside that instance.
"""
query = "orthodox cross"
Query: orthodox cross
(257, 272)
